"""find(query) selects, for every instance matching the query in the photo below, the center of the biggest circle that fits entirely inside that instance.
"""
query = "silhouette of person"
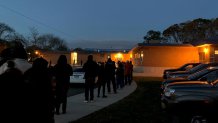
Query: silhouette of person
(40, 97)
(62, 72)
(91, 69)
(127, 73)
(131, 71)
(12, 88)
(110, 75)
(120, 75)
(13, 64)
(101, 80)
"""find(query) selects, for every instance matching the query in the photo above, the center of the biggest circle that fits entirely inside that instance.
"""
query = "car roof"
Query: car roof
(186, 83)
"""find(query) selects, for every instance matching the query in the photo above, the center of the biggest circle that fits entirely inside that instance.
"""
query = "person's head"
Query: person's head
(62, 59)
(14, 50)
(40, 63)
(20, 52)
(109, 60)
(90, 57)
(120, 65)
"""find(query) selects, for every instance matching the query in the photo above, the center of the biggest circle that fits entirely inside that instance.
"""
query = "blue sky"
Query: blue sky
(102, 23)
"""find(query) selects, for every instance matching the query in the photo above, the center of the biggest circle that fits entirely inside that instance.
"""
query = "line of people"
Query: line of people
(108, 75)
(32, 93)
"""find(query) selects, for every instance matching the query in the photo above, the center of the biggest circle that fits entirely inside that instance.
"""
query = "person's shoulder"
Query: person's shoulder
(68, 65)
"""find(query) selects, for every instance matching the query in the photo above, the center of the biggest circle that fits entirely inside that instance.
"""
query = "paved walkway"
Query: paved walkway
(77, 109)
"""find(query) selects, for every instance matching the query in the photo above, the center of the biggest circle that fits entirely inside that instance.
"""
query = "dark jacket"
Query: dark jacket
(40, 98)
(91, 69)
(62, 73)
(110, 69)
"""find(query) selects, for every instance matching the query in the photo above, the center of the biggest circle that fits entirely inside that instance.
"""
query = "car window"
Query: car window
(189, 67)
(198, 67)
(212, 76)
(198, 74)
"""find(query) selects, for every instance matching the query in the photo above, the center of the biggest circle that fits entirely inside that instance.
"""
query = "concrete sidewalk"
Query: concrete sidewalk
(76, 108)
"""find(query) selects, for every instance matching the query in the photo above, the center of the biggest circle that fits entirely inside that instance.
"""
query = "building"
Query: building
(99, 55)
(79, 57)
(152, 59)
(207, 49)
(148, 59)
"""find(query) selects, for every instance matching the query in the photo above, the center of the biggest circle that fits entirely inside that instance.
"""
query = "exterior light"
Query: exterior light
(142, 54)
(119, 55)
(130, 55)
(36, 52)
(205, 50)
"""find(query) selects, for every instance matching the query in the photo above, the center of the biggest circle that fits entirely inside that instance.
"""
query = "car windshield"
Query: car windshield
(183, 66)
(196, 68)
(187, 66)
(198, 74)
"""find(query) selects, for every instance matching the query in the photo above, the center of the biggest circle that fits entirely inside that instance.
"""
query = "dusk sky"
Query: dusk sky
(101, 23)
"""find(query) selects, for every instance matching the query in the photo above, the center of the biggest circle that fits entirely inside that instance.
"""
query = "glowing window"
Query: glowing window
(74, 58)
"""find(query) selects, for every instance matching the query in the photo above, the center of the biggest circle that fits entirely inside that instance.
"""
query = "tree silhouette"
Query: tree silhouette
(152, 35)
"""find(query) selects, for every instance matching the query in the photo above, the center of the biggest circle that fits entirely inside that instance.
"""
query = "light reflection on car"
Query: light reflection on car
(78, 76)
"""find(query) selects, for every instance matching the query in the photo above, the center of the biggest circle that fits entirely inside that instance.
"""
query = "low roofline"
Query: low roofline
(162, 44)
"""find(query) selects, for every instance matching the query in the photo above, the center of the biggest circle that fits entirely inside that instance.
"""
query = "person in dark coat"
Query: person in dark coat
(101, 80)
(120, 75)
(62, 71)
(40, 98)
(12, 95)
(13, 92)
(110, 75)
(91, 69)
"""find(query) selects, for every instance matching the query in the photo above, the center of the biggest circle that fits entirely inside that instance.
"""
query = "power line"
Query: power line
(34, 20)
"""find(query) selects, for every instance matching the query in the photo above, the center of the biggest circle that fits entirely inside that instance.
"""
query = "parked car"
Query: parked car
(198, 99)
(184, 67)
(190, 71)
(192, 77)
(78, 76)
